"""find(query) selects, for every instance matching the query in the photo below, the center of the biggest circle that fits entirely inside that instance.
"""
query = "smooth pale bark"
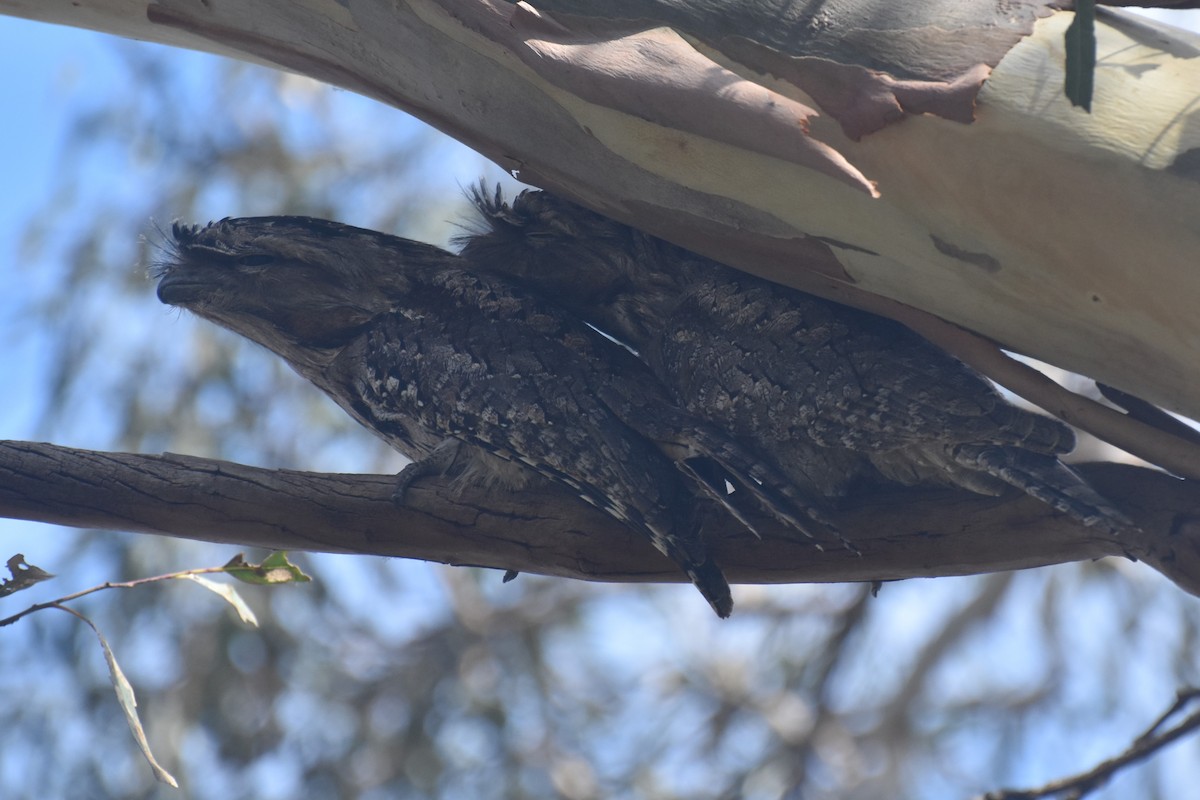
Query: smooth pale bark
(1064, 235)
(902, 534)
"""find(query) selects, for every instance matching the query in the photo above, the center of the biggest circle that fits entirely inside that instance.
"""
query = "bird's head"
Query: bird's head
(603, 271)
(289, 282)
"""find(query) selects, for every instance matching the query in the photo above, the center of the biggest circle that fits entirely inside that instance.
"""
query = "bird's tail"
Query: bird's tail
(676, 534)
(708, 578)
(1035, 432)
(690, 554)
(1047, 479)
(773, 492)
(688, 442)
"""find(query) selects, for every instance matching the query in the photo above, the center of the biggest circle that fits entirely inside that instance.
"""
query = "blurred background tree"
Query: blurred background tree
(399, 679)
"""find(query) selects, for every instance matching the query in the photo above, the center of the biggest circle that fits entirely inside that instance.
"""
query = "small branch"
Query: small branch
(60, 602)
(1182, 698)
(1149, 413)
(1142, 748)
(901, 534)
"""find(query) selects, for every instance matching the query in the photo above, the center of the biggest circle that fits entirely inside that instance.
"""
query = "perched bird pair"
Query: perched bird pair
(459, 370)
(835, 395)
(488, 365)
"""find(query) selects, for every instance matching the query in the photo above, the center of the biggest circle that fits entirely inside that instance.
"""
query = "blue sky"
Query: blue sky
(49, 59)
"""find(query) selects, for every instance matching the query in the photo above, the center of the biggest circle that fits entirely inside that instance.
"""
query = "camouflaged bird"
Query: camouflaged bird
(463, 371)
(834, 394)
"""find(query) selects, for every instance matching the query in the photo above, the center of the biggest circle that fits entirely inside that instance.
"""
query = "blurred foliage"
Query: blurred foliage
(387, 679)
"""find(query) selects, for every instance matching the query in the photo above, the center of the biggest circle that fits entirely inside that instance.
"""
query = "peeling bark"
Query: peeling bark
(1085, 222)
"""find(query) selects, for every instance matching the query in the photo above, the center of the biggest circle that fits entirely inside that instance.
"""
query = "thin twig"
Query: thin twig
(1149, 413)
(59, 601)
(1143, 747)
(1182, 698)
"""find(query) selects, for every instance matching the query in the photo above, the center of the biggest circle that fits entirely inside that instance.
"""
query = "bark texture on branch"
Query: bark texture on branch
(901, 534)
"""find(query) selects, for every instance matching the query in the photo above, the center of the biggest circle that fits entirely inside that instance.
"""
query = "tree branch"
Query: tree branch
(1143, 747)
(902, 534)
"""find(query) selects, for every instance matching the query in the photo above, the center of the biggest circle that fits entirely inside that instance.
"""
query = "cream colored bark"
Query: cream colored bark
(1066, 235)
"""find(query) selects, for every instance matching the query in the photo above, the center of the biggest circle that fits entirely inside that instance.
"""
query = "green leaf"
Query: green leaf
(23, 576)
(275, 568)
(230, 595)
(1080, 44)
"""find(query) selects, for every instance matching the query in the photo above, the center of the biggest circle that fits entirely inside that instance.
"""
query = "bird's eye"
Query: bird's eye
(255, 260)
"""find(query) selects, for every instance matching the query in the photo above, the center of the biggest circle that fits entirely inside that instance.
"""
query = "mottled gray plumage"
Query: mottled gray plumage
(834, 394)
(456, 369)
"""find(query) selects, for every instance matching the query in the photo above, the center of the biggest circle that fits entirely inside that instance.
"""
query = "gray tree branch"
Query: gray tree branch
(902, 534)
